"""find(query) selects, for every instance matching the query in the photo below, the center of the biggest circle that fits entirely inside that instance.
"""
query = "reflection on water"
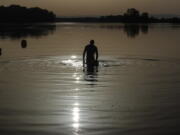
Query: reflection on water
(89, 76)
(17, 31)
(75, 109)
(92, 78)
(44, 94)
(133, 30)
(136, 93)
(76, 116)
(90, 73)
(73, 61)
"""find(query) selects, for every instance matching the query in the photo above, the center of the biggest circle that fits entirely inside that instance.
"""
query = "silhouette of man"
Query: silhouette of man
(91, 55)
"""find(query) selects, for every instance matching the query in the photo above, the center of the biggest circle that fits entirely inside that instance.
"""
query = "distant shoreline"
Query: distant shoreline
(76, 21)
(132, 15)
(20, 14)
(108, 19)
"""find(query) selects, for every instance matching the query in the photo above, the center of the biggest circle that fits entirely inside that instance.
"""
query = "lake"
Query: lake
(134, 91)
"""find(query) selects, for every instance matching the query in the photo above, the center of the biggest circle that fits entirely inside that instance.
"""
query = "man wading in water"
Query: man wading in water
(90, 51)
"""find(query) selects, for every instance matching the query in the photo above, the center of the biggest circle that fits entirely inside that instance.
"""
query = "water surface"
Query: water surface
(44, 91)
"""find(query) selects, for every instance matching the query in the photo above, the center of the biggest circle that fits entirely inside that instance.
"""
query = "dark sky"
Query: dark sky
(100, 7)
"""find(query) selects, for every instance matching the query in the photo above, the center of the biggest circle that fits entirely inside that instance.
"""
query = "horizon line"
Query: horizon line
(153, 15)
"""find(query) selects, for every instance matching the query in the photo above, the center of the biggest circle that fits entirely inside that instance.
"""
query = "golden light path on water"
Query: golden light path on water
(76, 112)
(76, 116)
(72, 61)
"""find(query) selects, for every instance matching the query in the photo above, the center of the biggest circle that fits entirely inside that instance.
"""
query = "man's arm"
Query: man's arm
(84, 52)
(97, 55)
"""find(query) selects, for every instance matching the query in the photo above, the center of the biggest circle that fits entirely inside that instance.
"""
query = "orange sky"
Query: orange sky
(100, 7)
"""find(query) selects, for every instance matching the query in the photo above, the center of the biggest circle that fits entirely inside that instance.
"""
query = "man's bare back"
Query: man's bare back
(91, 54)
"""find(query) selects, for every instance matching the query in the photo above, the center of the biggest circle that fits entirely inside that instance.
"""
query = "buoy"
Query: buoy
(23, 43)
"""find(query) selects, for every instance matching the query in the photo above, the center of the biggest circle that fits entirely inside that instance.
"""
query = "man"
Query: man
(89, 52)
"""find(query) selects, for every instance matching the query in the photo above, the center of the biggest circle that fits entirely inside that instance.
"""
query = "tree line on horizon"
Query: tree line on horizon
(16, 13)
(20, 14)
(132, 15)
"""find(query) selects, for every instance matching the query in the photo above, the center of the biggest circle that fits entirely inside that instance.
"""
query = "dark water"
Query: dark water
(44, 91)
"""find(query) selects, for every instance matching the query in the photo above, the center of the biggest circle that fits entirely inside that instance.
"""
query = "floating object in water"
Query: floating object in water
(23, 43)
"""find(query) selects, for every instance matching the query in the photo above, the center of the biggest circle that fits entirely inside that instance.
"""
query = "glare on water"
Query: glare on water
(135, 91)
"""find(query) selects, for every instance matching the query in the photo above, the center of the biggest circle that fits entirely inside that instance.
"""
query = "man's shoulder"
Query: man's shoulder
(95, 47)
(90, 46)
(87, 46)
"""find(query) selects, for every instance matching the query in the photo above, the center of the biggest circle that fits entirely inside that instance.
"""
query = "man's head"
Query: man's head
(92, 42)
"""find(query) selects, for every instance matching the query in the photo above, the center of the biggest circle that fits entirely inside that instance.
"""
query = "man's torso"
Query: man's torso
(91, 50)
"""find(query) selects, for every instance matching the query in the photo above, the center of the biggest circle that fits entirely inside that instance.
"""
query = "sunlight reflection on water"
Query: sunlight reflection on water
(44, 88)
(73, 61)
(76, 116)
